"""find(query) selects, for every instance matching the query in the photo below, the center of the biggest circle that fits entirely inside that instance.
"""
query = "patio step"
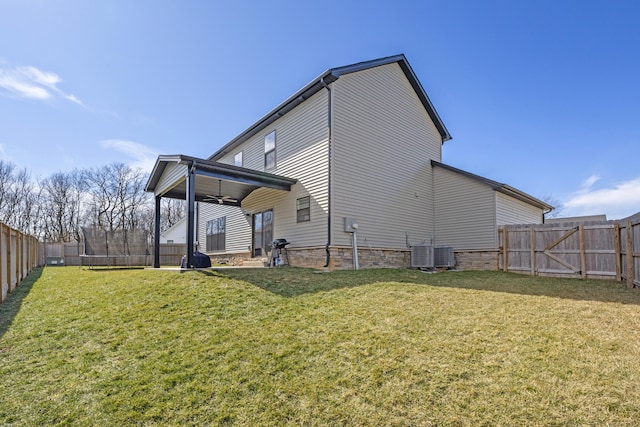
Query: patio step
(254, 263)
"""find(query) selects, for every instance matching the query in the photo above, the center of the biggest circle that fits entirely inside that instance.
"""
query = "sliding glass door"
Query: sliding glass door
(262, 233)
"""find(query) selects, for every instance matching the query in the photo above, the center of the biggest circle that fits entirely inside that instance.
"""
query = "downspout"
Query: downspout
(329, 123)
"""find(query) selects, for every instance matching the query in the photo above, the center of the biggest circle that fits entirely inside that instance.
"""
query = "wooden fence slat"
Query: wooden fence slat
(532, 253)
(3, 267)
(506, 249)
(601, 273)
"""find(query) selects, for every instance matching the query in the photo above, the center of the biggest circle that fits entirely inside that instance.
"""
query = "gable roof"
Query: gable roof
(330, 76)
(178, 224)
(498, 186)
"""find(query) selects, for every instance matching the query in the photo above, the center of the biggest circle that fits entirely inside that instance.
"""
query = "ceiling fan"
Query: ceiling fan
(220, 198)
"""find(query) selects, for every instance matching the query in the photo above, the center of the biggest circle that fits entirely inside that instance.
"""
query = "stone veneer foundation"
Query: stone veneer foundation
(479, 259)
(342, 258)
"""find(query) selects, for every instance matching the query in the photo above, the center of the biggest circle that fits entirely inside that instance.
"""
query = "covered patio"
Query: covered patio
(201, 180)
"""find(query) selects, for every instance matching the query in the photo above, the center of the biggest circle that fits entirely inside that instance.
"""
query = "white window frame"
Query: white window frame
(304, 212)
(237, 159)
(270, 150)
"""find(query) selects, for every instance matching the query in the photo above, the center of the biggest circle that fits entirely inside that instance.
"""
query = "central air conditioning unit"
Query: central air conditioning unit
(443, 257)
(422, 256)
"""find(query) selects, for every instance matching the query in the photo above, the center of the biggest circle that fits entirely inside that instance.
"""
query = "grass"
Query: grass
(294, 347)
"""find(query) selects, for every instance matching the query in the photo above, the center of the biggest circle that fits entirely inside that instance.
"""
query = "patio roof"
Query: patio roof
(193, 179)
(216, 182)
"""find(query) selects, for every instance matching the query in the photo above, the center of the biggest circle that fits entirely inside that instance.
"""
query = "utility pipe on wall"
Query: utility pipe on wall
(356, 263)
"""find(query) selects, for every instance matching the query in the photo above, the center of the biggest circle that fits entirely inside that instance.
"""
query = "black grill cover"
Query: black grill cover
(200, 260)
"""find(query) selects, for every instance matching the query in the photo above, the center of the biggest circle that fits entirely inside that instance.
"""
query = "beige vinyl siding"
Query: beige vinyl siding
(514, 211)
(173, 173)
(382, 143)
(465, 211)
(237, 227)
(301, 153)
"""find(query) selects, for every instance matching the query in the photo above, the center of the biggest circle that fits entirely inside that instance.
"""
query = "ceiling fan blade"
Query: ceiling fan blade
(219, 198)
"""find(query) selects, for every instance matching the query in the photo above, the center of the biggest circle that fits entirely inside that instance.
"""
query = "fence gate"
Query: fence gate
(559, 256)
(564, 250)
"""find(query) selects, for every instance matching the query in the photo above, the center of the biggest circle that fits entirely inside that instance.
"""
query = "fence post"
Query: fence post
(3, 268)
(630, 272)
(20, 257)
(617, 248)
(583, 257)
(505, 257)
(9, 252)
(532, 253)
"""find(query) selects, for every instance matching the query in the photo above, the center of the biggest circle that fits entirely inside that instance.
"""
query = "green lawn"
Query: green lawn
(294, 347)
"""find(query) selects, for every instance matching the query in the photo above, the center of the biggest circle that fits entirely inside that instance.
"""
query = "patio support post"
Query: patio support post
(156, 240)
(191, 197)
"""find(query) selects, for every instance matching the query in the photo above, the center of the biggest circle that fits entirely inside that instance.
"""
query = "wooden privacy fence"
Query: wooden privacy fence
(58, 254)
(602, 250)
(19, 254)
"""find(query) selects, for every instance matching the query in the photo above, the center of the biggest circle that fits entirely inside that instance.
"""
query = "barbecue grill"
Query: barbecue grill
(279, 255)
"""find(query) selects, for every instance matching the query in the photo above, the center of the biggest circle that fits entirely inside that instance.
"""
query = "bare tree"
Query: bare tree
(116, 197)
(131, 196)
(171, 211)
(25, 203)
(102, 192)
(6, 190)
(18, 199)
(557, 206)
(62, 207)
(109, 197)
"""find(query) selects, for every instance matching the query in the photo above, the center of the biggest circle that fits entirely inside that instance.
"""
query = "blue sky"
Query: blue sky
(541, 95)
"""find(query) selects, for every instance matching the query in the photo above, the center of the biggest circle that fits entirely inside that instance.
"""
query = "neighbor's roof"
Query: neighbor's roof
(330, 76)
(497, 186)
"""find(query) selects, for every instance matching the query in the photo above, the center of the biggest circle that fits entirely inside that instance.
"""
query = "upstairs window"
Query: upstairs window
(237, 159)
(270, 151)
(303, 209)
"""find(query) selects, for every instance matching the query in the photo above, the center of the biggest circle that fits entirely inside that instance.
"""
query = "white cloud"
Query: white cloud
(30, 82)
(586, 186)
(71, 97)
(616, 202)
(40, 77)
(140, 155)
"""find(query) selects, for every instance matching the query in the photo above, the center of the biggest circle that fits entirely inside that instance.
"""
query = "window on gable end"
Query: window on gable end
(303, 209)
(270, 150)
(237, 159)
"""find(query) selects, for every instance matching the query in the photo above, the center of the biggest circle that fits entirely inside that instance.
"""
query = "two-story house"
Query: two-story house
(358, 144)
